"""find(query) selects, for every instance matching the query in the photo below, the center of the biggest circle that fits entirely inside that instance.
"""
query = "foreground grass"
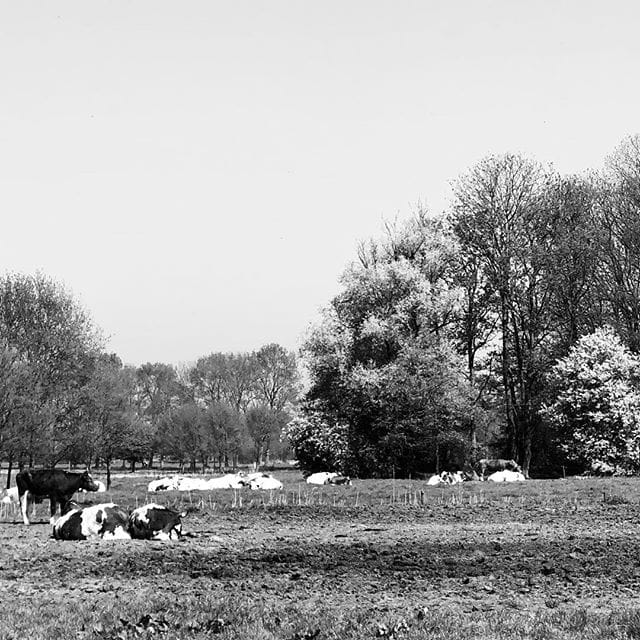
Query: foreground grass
(196, 618)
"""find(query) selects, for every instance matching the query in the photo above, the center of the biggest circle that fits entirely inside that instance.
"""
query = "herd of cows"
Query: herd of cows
(106, 520)
(156, 522)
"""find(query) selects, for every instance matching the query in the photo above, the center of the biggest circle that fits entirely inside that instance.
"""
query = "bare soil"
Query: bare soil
(548, 545)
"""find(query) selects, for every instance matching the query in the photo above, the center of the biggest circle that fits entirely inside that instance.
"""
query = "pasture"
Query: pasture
(380, 558)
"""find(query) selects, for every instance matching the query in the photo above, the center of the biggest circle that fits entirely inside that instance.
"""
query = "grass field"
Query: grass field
(382, 558)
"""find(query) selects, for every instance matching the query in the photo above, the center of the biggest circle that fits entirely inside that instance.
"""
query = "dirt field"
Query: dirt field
(542, 559)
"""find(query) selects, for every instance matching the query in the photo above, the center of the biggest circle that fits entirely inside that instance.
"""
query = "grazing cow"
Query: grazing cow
(107, 521)
(506, 476)
(155, 522)
(322, 477)
(489, 465)
(55, 484)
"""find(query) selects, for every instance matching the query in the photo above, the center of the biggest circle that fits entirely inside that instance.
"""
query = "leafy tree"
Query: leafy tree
(158, 391)
(264, 425)
(501, 217)
(276, 377)
(317, 444)
(56, 346)
(208, 378)
(619, 247)
(223, 423)
(398, 302)
(239, 380)
(186, 434)
(111, 417)
(597, 407)
(15, 404)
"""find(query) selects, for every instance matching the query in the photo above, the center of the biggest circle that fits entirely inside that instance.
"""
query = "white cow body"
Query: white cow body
(183, 483)
(322, 477)
(163, 484)
(445, 477)
(506, 476)
(192, 484)
(106, 521)
(10, 496)
(265, 483)
(228, 481)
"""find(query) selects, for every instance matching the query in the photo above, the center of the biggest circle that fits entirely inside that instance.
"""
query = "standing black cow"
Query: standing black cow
(55, 484)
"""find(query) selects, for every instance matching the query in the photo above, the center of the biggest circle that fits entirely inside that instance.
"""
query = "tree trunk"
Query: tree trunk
(108, 464)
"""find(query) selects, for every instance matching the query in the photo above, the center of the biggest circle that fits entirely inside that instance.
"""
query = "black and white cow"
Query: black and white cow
(107, 521)
(55, 484)
(155, 522)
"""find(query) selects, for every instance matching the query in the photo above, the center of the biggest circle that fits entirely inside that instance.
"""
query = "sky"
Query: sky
(199, 173)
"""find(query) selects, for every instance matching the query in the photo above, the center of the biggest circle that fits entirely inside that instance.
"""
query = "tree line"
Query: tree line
(64, 399)
(455, 336)
(507, 326)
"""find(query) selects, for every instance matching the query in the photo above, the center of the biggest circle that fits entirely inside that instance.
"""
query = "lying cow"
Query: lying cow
(340, 480)
(55, 484)
(265, 482)
(506, 476)
(155, 522)
(107, 521)
(445, 477)
(491, 465)
(322, 477)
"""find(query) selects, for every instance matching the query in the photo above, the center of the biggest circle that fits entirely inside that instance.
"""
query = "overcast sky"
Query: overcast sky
(200, 173)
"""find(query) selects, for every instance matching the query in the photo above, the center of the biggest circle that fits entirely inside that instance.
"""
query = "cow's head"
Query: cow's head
(87, 483)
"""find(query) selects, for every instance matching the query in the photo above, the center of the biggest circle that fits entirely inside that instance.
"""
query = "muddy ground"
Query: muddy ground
(546, 545)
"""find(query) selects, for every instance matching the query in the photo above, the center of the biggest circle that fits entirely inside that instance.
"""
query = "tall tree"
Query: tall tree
(619, 220)
(57, 345)
(208, 378)
(501, 218)
(158, 390)
(263, 425)
(112, 417)
(276, 376)
(396, 303)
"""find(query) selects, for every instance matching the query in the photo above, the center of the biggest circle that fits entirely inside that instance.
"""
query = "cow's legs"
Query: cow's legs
(53, 505)
(24, 505)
